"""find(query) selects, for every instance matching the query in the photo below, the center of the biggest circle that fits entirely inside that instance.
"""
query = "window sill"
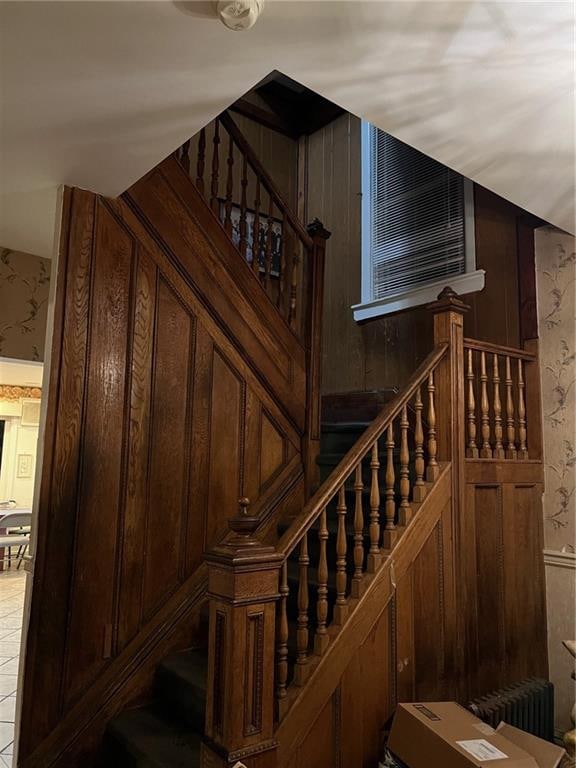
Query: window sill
(416, 297)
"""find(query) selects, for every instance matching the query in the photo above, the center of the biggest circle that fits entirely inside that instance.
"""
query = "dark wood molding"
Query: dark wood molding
(264, 117)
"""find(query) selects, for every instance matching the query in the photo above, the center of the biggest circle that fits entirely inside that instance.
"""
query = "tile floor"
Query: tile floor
(12, 585)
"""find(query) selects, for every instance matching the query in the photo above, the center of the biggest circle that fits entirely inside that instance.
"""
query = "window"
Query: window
(417, 228)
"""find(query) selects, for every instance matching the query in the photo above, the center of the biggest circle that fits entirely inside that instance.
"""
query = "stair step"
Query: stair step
(181, 686)
(339, 438)
(141, 738)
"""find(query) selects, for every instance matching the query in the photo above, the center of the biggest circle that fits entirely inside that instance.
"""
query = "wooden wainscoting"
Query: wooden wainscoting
(176, 389)
(505, 587)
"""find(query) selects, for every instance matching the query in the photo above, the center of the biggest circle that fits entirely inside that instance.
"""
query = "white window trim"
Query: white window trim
(472, 280)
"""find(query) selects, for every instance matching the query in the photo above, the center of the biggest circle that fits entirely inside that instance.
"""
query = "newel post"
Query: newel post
(449, 311)
(243, 582)
(315, 307)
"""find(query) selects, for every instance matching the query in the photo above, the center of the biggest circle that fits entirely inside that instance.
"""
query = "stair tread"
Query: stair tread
(157, 742)
(344, 426)
(191, 666)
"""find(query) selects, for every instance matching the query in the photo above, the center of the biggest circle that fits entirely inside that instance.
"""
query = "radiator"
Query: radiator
(528, 705)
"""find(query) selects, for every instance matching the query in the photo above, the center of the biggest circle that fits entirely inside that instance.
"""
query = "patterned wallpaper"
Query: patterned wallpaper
(556, 284)
(24, 287)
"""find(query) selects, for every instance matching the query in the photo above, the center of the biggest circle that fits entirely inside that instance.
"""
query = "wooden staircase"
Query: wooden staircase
(336, 585)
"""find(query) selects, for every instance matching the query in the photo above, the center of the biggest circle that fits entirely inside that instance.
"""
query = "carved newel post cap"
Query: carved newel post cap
(448, 301)
(243, 525)
(317, 229)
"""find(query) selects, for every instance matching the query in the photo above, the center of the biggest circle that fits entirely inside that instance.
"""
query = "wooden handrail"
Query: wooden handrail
(340, 474)
(265, 177)
(497, 349)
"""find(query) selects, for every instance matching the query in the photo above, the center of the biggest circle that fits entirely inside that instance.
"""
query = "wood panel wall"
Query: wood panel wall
(176, 389)
(383, 352)
(504, 572)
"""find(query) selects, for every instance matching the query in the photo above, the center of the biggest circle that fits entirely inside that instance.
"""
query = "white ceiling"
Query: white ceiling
(94, 94)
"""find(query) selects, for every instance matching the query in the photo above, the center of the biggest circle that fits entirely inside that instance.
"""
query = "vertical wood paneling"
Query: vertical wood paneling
(320, 748)
(272, 449)
(334, 196)
(102, 449)
(490, 587)
(429, 634)
(155, 405)
(524, 576)
(405, 663)
(59, 487)
(169, 455)
(495, 312)
(377, 706)
(506, 622)
(225, 447)
(136, 503)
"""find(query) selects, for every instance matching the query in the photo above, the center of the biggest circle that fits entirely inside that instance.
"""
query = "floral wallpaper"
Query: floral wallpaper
(556, 284)
(24, 288)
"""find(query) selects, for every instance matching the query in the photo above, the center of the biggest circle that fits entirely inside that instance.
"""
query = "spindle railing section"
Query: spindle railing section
(496, 411)
(396, 459)
(258, 219)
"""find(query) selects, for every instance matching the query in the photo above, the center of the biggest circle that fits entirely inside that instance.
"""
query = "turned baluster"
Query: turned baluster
(301, 667)
(269, 237)
(486, 450)
(321, 639)
(358, 533)
(201, 161)
(293, 291)
(472, 449)
(243, 224)
(341, 607)
(282, 267)
(256, 230)
(522, 448)
(185, 156)
(214, 204)
(282, 635)
(405, 510)
(389, 480)
(510, 425)
(374, 555)
(419, 492)
(432, 470)
(498, 446)
(229, 188)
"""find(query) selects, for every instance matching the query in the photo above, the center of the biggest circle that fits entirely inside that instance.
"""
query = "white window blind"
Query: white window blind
(417, 225)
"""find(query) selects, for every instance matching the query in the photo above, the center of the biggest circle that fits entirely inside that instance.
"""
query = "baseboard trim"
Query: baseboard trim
(560, 559)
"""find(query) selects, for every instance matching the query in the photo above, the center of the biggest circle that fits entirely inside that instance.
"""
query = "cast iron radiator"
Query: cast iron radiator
(528, 705)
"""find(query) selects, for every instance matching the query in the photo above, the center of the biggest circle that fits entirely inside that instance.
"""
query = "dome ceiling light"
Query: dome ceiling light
(239, 15)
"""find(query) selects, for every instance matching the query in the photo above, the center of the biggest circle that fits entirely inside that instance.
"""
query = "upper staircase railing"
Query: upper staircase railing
(285, 257)
(499, 383)
(259, 220)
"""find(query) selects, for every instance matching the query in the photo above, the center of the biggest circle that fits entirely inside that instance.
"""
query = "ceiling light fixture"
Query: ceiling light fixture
(239, 15)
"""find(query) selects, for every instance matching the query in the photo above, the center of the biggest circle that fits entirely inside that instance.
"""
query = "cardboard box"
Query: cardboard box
(546, 755)
(445, 735)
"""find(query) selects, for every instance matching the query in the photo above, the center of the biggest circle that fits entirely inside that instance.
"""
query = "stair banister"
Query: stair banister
(265, 178)
(329, 488)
